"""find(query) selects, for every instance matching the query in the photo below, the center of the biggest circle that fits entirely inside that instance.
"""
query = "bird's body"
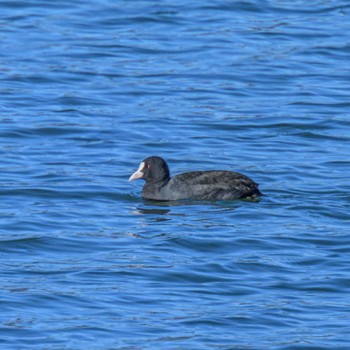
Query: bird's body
(195, 185)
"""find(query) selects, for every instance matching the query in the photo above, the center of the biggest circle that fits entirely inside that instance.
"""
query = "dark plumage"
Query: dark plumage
(195, 185)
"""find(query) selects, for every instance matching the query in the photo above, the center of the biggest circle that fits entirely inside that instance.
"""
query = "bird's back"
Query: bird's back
(212, 185)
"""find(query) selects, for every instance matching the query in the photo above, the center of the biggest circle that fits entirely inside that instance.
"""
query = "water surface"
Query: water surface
(88, 90)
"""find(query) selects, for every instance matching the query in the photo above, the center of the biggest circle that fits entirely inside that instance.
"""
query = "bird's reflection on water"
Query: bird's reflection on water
(155, 208)
(162, 219)
(149, 207)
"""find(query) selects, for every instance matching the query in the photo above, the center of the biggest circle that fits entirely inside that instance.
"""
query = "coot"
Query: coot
(195, 185)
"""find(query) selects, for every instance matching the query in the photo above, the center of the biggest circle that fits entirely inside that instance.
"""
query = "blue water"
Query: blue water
(89, 89)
